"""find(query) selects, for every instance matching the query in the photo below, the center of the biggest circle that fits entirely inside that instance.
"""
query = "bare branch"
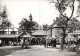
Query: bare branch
(60, 10)
(72, 10)
(52, 1)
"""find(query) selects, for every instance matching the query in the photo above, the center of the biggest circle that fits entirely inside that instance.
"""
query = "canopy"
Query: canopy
(74, 33)
(77, 32)
(7, 36)
(23, 35)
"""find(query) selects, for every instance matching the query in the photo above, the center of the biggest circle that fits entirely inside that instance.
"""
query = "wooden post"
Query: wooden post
(17, 40)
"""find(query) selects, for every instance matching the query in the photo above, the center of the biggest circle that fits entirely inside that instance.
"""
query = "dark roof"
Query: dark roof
(7, 36)
(40, 33)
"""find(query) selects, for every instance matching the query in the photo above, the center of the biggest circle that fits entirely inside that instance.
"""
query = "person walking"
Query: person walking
(26, 43)
(22, 43)
(44, 43)
(52, 42)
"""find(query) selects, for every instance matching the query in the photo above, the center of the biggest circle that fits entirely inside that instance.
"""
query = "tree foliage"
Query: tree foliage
(61, 21)
(26, 25)
(74, 24)
(78, 10)
(3, 16)
(45, 26)
(64, 19)
(63, 5)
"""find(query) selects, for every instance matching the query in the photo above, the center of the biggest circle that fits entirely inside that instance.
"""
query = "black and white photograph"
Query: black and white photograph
(39, 27)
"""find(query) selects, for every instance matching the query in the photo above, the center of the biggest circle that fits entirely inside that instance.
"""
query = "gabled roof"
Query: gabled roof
(52, 25)
(8, 25)
(24, 35)
(40, 33)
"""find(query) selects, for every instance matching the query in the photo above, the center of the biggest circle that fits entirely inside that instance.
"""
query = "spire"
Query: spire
(4, 13)
(30, 17)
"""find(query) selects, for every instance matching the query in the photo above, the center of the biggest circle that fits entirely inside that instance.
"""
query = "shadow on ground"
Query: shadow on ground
(8, 51)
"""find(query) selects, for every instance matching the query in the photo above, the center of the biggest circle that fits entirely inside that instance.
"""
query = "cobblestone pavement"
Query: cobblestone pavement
(38, 50)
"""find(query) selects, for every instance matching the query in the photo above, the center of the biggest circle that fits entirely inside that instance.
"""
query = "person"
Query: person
(26, 43)
(44, 43)
(0, 41)
(22, 43)
(77, 46)
(48, 42)
(52, 42)
(15, 43)
(10, 42)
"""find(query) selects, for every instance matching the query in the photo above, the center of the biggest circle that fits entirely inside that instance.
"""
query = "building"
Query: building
(54, 31)
(39, 35)
(8, 32)
(73, 35)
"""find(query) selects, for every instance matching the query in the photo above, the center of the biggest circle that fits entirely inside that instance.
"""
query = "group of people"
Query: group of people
(49, 42)
(8, 42)
(24, 42)
(46, 42)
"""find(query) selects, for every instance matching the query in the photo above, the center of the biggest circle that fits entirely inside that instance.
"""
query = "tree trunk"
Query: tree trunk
(77, 46)
(62, 44)
(69, 45)
(77, 49)
(63, 40)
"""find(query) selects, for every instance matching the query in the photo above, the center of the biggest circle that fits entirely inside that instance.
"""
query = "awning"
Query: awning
(7, 36)
(77, 32)
(74, 33)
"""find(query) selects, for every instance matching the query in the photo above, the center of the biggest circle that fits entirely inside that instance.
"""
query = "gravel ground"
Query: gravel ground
(37, 50)
(6, 50)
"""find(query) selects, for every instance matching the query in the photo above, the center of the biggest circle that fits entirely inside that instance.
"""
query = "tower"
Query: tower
(4, 13)
(30, 17)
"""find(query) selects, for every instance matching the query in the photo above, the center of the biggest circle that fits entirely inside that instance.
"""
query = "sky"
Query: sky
(42, 11)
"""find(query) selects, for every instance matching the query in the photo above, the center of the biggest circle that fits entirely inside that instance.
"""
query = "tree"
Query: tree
(45, 26)
(3, 14)
(78, 11)
(74, 24)
(3, 17)
(62, 6)
(27, 25)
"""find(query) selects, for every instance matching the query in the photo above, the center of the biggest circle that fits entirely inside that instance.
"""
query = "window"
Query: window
(2, 32)
(13, 32)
